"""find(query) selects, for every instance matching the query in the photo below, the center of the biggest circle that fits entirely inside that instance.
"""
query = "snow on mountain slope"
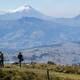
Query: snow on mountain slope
(24, 8)
(23, 11)
(26, 27)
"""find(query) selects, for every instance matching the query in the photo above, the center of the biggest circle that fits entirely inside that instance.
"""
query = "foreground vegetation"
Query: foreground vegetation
(39, 72)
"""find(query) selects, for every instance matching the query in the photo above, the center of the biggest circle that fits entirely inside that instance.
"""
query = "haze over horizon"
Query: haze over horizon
(55, 8)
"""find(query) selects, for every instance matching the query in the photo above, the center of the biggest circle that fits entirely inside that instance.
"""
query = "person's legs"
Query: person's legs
(20, 63)
(0, 63)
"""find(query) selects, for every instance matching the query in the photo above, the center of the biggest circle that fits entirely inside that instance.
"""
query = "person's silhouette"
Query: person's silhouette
(1, 59)
(20, 57)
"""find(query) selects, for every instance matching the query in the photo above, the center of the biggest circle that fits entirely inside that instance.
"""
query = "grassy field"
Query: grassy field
(35, 72)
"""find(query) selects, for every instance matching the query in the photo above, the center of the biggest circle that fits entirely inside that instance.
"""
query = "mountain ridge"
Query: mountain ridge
(27, 8)
(20, 31)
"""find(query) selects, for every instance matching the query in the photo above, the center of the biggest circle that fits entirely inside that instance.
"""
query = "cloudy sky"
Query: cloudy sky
(56, 8)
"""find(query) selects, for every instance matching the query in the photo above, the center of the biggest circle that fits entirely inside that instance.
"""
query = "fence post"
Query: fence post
(48, 76)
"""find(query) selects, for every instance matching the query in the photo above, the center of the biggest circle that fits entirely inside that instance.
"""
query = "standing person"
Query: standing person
(20, 57)
(1, 59)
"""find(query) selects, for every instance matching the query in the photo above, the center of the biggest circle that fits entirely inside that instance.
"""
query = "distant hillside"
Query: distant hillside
(25, 28)
(61, 53)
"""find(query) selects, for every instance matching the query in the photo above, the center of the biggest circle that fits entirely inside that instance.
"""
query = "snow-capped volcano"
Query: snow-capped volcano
(24, 28)
(22, 11)
(24, 8)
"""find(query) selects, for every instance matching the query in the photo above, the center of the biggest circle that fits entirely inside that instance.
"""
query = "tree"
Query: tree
(50, 62)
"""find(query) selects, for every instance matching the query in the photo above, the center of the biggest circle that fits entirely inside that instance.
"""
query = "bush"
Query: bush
(50, 62)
